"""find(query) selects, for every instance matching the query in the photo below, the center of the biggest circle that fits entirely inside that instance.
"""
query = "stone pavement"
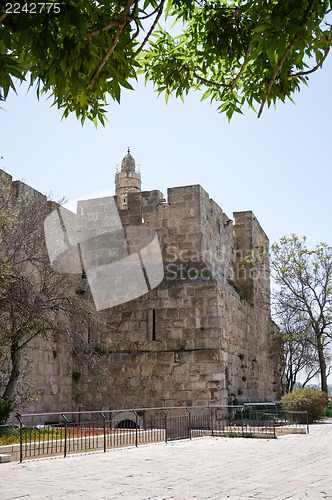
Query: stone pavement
(291, 467)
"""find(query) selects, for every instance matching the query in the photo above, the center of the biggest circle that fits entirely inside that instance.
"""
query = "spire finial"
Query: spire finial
(128, 150)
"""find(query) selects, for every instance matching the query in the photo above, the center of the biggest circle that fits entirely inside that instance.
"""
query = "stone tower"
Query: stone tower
(201, 337)
(127, 180)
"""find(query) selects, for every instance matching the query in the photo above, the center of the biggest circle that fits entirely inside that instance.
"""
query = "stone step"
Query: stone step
(5, 458)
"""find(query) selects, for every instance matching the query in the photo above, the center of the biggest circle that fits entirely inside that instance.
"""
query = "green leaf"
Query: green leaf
(261, 28)
(206, 94)
(125, 84)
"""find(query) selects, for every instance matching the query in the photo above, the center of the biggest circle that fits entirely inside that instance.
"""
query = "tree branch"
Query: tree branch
(122, 23)
(242, 68)
(107, 26)
(310, 376)
(160, 8)
(3, 16)
(149, 15)
(210, 82)
(307, 12)
(282, 60)
(302, 73)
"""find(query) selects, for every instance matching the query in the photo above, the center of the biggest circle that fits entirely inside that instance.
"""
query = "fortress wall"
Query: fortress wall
(20, 189)
(209, 345)
(189, 225)
(210, 348)
(217, 238)
(252, 280)
(203, 343)
(176, 222)
(253, 374)
(178, 364)
(46, 368)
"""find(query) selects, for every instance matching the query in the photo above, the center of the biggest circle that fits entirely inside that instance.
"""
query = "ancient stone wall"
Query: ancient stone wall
(251, 278)
(204, 346)
(200, 337)
(46, 367)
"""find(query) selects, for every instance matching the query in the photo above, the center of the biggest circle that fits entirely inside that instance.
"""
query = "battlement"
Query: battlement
(20, 189)
(249, 237)
(191, 226)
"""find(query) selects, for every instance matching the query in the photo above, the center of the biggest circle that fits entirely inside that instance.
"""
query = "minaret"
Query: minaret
(128, 180)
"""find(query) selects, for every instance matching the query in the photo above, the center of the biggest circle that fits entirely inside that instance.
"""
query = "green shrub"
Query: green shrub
(9, 436)
(306, 399)
(327, 412)
(6, 407)
(76, 376)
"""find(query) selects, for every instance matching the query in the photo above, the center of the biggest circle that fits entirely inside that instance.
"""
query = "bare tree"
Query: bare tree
(35, 300)
(296, 341)
(304, 297)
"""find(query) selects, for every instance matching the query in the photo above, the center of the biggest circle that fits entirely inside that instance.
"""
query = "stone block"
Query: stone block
(201, 356)
(162, 369)
(195, 370)
(213, 384)
(6, 450)
(165, 358)
(171, 313)
(180, 370)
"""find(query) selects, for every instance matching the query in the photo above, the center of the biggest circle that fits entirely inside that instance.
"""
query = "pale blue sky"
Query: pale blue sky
(279, 166)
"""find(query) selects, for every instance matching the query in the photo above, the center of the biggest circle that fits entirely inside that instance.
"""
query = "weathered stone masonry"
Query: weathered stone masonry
(46, 365)
(200, 337)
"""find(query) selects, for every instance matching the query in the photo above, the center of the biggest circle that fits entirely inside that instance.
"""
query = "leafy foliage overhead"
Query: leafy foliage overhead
(237, 52)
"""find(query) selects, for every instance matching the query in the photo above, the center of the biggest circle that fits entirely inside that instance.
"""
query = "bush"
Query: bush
(305, 399)
(6, 407)
(328, 410)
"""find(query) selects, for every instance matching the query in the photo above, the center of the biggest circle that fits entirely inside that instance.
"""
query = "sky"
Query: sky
(278, 166)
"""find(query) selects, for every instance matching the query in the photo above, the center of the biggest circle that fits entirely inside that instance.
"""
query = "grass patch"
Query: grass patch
(9, 436)
(12, 436)
(34, 435)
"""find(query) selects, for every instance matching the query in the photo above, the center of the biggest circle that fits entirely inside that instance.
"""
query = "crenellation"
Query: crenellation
(21, 190)
(5, 179)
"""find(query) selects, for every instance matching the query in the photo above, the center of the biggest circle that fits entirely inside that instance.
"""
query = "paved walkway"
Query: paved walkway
(291, 467)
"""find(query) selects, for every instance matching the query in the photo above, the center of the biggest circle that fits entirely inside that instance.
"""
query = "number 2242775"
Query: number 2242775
(32, 8)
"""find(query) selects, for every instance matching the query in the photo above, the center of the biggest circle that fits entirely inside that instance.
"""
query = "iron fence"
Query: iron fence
(78, 431)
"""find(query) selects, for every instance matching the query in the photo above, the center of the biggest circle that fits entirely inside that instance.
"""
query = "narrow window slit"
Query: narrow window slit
(153, 324)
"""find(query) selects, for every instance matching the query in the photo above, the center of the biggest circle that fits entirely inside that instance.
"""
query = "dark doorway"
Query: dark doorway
(127, 424)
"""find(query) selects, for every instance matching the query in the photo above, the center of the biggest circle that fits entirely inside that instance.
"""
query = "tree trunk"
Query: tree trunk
(14, 374)
(322, 363)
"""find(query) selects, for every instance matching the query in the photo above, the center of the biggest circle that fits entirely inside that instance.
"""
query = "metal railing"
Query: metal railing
(78, 431)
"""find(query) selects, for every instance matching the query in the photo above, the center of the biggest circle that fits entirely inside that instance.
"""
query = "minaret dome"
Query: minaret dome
(127, 180)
